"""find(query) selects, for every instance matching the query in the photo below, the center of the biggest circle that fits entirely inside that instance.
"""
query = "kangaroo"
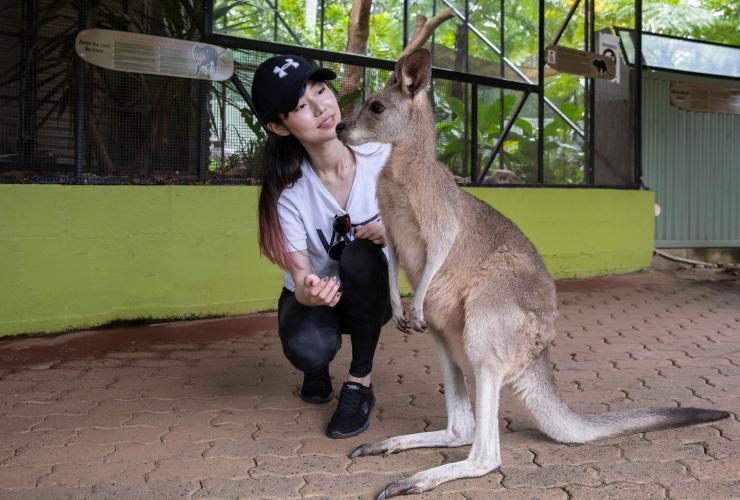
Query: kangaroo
(481, 289)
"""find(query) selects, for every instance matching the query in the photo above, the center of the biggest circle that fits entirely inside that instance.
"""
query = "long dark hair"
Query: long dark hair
(281, 167)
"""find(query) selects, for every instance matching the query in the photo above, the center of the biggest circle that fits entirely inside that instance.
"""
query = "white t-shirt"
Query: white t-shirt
(307, 209)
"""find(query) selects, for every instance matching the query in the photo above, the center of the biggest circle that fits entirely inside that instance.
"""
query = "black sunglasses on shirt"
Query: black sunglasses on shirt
(342, 225)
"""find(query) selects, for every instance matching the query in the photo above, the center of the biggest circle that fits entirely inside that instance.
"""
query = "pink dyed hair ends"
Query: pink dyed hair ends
(271, 238)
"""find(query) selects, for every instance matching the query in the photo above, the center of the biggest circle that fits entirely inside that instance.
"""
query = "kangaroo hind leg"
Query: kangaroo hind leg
(460, 422)
(485, 454)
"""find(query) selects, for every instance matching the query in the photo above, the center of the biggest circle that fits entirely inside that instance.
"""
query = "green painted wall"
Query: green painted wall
(74, 257)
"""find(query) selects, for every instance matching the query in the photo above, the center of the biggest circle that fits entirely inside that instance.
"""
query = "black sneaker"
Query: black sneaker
(317, 387)
(353, 410)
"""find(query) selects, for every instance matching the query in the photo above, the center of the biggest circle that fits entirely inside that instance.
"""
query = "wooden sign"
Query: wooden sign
(580, 62)
(706, 98)
(154, 55)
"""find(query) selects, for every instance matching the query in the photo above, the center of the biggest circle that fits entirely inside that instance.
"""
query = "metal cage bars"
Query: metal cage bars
(527, 86)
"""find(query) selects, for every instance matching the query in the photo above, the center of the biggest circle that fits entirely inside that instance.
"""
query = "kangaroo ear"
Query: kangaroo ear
(414, 71)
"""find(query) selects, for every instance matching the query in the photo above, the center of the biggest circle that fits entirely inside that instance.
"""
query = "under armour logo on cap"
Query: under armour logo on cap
(280, 70)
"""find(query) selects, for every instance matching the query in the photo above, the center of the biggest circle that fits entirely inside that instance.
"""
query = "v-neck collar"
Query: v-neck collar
(325, 190)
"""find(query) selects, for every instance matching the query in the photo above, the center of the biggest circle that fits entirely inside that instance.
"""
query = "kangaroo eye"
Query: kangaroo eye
(376, 107)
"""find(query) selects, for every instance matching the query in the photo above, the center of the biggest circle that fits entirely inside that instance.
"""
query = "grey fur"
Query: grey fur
(482, 291)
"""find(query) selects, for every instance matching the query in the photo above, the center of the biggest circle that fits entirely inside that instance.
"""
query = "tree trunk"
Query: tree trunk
(359, 31)
(461, 55)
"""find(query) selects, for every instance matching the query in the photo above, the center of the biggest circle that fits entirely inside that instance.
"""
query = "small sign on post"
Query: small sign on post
(580, 62)
(154, 55)
(609, 47)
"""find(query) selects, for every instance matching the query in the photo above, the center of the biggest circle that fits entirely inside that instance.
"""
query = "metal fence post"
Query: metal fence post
(204, 101)
(638, 94)
(475, 164)
(541, 95)
(80, 129)
(27, 135)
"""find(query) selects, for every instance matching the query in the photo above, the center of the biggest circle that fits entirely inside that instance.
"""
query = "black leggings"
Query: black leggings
(311, 336)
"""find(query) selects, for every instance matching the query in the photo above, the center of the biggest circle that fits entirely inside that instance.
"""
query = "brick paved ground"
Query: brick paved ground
(208, 409)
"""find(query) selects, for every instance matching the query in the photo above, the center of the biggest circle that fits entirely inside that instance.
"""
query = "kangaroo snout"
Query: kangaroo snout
(345, 133)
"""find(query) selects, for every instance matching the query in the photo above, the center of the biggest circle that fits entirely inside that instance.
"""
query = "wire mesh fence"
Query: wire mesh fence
(68, 121)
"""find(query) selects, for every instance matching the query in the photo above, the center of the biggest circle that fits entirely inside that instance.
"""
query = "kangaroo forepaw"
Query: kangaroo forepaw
(402, 323)
(417, 320)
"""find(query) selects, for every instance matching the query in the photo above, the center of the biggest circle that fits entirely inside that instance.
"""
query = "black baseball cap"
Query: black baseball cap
(278, 84)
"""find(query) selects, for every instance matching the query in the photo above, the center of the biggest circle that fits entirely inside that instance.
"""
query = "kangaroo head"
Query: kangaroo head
(391, 114)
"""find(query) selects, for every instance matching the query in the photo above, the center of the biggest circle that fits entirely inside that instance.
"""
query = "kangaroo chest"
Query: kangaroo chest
(402, 226)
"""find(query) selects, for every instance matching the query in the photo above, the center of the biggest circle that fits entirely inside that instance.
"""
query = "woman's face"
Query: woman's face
(314, 119)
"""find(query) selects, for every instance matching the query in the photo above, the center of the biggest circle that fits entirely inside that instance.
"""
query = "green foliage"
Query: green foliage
(713, 20)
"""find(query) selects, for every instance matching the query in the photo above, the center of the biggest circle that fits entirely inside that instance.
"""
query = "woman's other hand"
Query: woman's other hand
(311, 290)
(318, 291)
(373, 231)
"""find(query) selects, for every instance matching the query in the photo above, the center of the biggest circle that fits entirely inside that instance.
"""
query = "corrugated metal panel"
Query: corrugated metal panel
(692, 162)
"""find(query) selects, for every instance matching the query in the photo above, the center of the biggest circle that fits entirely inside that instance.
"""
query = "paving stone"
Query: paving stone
(205, 433)
(150, 452)
(490, 483)
(90, 474)
(172, 391)
(321, 445)
(217, 404)
(255, 417)
(131, 406)
(549, 477)
(249, 448)
(407, 461)
(120, 435)
(640, 472)
(95, 395)
(272, 487)
(702, 490)
(619, 491)
(692, 434)
(401, 426)
(721, 448)
(35, 409)
(510, 457)
(36, 438)
(159, 363)
(12, 425)
(72, 454)
(291, 430)
(577, 455)
(663, 452)
(269, 465)
(47, 493)
(144, 491)
(367, 484)
(725, 469)
(42, 376)
(517, 494)
(21, 477)
(62, 422)
(6, 454)
(282, 401)
(170, 419)
(134, 355)
(527, 439)
(180, 469)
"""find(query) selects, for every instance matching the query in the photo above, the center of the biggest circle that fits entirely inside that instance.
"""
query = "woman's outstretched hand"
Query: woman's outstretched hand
(373, 231)
(320, 291)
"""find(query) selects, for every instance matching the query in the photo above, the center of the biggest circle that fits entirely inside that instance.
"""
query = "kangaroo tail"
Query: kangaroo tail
(536, 387)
